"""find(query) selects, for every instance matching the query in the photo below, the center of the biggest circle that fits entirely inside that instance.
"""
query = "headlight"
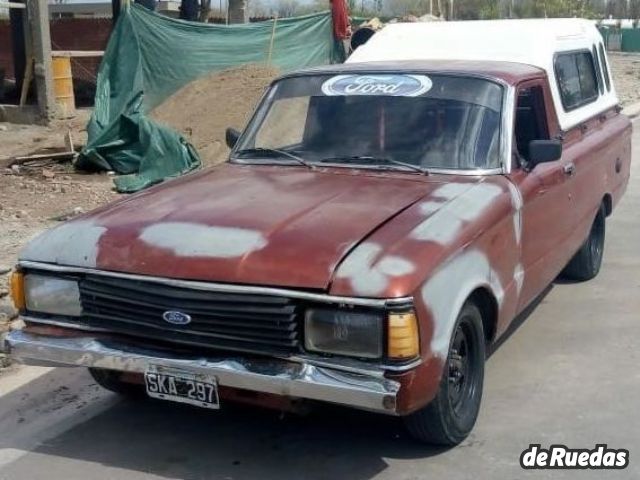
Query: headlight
(57, 296)
(342, 332)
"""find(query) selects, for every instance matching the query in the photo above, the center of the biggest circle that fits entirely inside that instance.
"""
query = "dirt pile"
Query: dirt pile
(204, 108)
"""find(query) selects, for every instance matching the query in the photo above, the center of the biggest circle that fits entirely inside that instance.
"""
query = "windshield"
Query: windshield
(435, 121)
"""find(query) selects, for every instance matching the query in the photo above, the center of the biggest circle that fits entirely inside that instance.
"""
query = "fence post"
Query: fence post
(38, 14)
(273, 36)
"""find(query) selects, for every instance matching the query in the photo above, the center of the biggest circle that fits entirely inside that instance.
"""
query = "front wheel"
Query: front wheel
(451, 415)
(586, 263)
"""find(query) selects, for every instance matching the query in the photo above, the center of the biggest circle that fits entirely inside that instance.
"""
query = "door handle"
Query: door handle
(569, 169)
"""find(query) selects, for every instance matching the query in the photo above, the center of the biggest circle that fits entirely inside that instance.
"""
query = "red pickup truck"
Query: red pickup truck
(378, 225)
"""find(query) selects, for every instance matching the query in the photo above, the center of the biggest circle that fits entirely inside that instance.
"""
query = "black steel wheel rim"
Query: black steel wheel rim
(462, 369)
(596, 240)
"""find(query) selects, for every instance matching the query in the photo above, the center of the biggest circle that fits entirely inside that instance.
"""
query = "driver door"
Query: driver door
(546, 195)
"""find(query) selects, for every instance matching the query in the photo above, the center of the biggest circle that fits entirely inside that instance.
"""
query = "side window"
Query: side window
(594, 54)
(605, 69)
(531, 119)
(284, 125)
(576, 77)
(587, 73)
(568, 81)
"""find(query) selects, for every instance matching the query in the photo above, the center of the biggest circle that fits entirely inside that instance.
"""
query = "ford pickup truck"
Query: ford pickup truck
(377, 227)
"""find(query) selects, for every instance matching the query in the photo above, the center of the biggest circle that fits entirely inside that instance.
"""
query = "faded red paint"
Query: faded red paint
(309, 220)
(313, 222)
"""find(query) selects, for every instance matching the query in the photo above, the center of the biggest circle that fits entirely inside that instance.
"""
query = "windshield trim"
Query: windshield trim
(507, 132)
(319, 165)
(361, 166)
(506, 115)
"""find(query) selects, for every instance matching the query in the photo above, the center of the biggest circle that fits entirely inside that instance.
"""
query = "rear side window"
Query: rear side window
(598, 71)
(605, 69)
(577, 80)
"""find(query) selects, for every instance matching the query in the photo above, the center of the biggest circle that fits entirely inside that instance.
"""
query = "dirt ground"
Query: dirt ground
(626, 74)
(36, 197)
(41, 194)
(203, 109)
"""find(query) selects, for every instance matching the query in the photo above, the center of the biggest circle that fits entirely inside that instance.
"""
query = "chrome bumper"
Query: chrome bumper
(299, 380)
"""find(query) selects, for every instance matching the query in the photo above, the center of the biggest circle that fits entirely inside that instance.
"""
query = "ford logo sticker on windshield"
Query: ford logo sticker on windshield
(396, 85)
(176, 318)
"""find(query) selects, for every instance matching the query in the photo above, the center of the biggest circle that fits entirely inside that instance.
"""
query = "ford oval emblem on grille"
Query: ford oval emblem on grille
(177, 318)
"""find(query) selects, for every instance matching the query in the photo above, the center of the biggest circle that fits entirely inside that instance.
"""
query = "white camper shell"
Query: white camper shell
(543, 43)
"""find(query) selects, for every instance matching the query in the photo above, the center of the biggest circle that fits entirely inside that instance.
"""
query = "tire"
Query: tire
(452, 414)
(587, 261)
(110, 380)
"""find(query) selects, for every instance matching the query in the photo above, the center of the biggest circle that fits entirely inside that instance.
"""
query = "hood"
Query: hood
(262, 225)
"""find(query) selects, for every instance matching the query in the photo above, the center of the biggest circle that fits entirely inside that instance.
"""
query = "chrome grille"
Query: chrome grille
(228, 321)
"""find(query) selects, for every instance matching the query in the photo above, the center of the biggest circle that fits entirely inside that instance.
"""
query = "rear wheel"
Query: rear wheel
(111, 380)
(450, 417)
(586, 263)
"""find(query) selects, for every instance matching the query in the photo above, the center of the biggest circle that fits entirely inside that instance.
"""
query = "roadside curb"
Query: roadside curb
(632, 111)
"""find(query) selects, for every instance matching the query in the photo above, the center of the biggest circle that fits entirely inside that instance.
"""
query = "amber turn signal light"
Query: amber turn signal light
(16, 287)
(403, 341)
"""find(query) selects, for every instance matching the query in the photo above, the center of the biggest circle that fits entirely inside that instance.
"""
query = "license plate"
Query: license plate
(182, 386)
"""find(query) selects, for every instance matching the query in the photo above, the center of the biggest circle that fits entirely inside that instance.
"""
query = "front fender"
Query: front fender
(437, 304)
(442, 296)
(399, 257)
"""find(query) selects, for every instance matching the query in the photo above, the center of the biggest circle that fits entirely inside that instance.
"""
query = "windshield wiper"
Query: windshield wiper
(371, 159)
(272, 151)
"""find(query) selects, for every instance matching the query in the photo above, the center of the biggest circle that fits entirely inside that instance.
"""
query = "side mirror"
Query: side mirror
(542, 151)
(231, 136)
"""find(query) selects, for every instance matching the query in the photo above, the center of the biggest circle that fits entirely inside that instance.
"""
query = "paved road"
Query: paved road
(567, 375)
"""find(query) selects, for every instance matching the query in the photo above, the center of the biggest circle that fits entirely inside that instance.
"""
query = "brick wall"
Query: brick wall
(67, 34)
(6, 60)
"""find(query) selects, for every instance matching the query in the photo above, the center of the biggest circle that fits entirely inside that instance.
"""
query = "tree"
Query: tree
(489, 9)
(205, 9)
(616, 9)
(315, 6)
(401, 8)
(257, 8)
(286, 8)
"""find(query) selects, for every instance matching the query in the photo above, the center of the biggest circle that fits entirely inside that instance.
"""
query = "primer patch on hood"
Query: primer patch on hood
(429, 207)
(466, 205)
(196, 240)
(368, 275)
(74, 243)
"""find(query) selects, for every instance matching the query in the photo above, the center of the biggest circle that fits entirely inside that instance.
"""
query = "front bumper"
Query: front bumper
(364, 390)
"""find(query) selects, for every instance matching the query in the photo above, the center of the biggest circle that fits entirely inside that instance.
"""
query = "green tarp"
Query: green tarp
(149, 57)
